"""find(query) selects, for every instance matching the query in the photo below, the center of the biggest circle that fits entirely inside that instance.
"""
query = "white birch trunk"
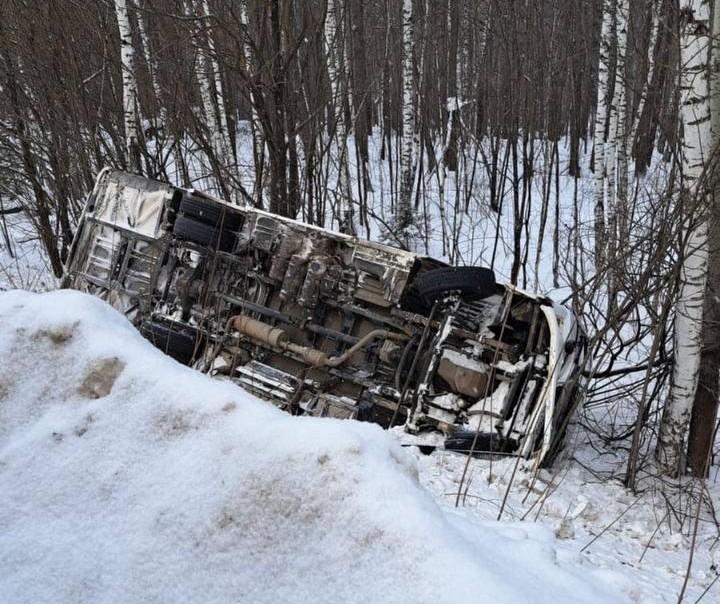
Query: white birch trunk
(212, 97)
(601, 116)
(149, 57)
(204, 81)
(407, 156)
(130, 104)
(696, 150)
(451, 104)
(216, 82)
(227, 154)
(616, 152)
(258, 137)
(705, 402)
(620, 139)
(334, 53)
(441, 174)
(345, 55)
(160, 117)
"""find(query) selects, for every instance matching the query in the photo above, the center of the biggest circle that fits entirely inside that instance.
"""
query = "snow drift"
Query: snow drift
(126, 477)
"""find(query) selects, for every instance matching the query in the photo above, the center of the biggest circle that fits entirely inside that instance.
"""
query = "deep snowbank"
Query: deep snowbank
(125, 477)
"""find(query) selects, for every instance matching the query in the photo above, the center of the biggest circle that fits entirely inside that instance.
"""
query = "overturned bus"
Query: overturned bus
(325, 324)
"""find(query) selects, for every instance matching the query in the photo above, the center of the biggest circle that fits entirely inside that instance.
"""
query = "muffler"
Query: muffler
(278, 338)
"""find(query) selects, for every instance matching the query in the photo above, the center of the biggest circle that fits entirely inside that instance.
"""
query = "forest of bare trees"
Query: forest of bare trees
(579, 134)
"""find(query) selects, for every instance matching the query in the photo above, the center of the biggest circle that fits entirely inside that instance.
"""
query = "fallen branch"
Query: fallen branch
(6, 211)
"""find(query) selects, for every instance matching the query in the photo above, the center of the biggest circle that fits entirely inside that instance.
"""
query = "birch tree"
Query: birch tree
(696, 147)
(618, 126)
(130, 102)
(336, 62)
(707, 393)
(215, 121)
(213, 67)
(146, 50)
(159, 117)
(601, 117)
(409, 143)
(616, 150)
(255, 102)
(205, 81)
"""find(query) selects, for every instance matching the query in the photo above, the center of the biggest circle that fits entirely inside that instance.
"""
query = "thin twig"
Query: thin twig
(707, 589)
(694, 540)
(602, 532)
(657, 528)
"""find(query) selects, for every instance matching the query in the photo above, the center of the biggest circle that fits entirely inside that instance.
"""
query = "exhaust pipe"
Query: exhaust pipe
(278, 338)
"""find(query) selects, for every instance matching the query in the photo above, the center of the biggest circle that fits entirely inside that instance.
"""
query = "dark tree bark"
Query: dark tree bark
(705, 406)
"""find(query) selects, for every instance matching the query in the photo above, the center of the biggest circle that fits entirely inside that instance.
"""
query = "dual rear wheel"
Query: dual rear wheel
(206, 223)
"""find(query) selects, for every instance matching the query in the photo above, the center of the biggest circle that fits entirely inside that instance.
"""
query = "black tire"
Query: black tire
(210, 213)
(413, 302)
(461, 441)
(205, 235)
(474, 280)
(181, 342)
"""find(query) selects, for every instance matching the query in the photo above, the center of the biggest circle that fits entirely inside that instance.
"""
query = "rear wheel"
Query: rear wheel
(203, 234)
(475, 280)
(462, 441)
(181, 342)
(210, 213)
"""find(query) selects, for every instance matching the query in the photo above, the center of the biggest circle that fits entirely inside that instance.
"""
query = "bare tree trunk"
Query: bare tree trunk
(362, 93)
(334, 50)
(407, 158)
(645, 92)
(148, 55)
(227, 156)
(707, 394)
(40, 212)
(206, 96)
(258, 139)
(616, 152)
(130, 103)
(696, 148)
(159, 116)
(450, 153)
(277, 139)
(548, 164)
(622, 112)
(517, 216)
(601, 116)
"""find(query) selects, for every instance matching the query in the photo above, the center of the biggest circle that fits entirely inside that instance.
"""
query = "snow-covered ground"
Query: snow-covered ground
(125, 477)
(172, 487)
(643, 551)
(23, 263)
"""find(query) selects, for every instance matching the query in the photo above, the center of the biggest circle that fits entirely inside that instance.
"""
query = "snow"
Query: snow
(635, 541)
(24, 264)
(126, 477)
(123, 549)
